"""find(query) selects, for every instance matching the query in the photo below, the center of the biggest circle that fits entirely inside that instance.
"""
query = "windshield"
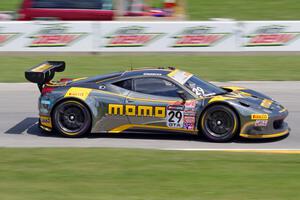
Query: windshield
(202, 88)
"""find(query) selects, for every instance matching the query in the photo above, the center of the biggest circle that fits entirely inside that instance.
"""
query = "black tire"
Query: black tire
(219, 123)
(71, 119)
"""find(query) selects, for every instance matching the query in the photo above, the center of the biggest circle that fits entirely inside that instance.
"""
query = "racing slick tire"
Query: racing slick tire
(71, 119)
(219, 123)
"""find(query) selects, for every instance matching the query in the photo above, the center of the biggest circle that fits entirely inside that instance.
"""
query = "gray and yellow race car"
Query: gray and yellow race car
(155, 99)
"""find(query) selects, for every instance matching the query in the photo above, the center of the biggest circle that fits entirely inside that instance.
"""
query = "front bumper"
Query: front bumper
(276, 127)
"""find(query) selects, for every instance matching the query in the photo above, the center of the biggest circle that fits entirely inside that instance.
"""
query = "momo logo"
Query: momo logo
(271, 36)
(6, 37)
(200, 36)
(54, 36)
(140, 111)
(134, 36)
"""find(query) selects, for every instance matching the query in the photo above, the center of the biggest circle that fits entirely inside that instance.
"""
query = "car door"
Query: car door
(154, 102)
(110, 101)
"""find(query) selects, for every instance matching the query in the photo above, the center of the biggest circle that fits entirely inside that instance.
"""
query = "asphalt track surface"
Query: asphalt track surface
(18, 124)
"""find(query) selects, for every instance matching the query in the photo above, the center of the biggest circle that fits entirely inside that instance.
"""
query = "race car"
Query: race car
(153, 99)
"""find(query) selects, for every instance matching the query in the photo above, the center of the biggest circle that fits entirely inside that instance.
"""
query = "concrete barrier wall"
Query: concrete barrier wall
(198, 36)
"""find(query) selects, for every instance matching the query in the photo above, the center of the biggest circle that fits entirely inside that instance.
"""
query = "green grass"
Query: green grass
(214, 68)
(236, 9)
(10, 5)
(119, 174)
(244, 9)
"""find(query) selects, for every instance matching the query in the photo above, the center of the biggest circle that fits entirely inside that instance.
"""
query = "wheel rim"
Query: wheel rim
(219, 123)
(71, 118)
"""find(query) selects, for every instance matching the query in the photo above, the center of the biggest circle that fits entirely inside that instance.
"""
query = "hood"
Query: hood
(252, 98)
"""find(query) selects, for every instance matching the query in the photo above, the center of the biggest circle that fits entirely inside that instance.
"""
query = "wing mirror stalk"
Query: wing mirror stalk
(182, 95)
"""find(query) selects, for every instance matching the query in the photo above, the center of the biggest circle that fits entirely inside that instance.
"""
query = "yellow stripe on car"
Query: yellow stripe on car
(266, 103)
(41, 68)
(219, 98)
(283, 110)
(265, 135)
(128, 126)
(233, 88)
(79, 79)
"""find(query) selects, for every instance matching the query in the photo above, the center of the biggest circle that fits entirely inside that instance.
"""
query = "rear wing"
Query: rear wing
(44, 72)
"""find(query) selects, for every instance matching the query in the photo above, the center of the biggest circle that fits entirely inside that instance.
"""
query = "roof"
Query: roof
(125, 74)
(148, 71)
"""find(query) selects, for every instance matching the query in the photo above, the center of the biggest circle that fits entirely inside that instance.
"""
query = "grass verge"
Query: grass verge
(244, 9)
(59, 174)
(216, 68)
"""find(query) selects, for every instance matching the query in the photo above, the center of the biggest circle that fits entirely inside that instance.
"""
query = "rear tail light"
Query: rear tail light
(65, 79)
(46, 90)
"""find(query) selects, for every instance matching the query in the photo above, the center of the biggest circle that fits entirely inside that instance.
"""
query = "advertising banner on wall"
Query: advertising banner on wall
(198, 36)
(46, 36)
(270, 35)
(167, 36)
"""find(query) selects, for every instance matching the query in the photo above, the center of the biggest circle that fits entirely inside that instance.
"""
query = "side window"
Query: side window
(126, 84)
(156, 86)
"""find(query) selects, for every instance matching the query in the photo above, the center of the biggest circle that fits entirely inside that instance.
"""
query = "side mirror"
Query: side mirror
(182, 95)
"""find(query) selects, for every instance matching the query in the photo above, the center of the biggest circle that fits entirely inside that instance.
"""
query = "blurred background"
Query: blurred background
(218, 40)
(146, 9)
(229, 40)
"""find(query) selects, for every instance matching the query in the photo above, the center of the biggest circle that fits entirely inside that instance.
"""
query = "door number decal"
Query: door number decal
(175, 118)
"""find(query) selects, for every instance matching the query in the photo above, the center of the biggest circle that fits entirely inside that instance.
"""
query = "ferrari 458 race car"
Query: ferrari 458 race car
(156, 99)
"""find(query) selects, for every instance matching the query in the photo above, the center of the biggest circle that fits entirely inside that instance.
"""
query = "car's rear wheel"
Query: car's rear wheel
(219, 123)
(71, 119)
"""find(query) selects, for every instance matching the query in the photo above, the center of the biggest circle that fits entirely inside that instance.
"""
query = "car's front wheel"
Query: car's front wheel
(71, 119)
(219, 123)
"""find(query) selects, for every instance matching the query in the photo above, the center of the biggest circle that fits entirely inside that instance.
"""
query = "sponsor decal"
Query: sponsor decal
(189, 126)
(190, 105)
(46, 121)
(56, 35)
(46, 102)
(200, 36)
(259, 116)
(45, 106)
(189, 113)
(266, 103)
(273, 35)
(261, 123)
(6, 37)
(132, 36)
(189, 119)
(81, 93)
(176, 106)
(182, 116)
(140, 111)
(152, 74)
